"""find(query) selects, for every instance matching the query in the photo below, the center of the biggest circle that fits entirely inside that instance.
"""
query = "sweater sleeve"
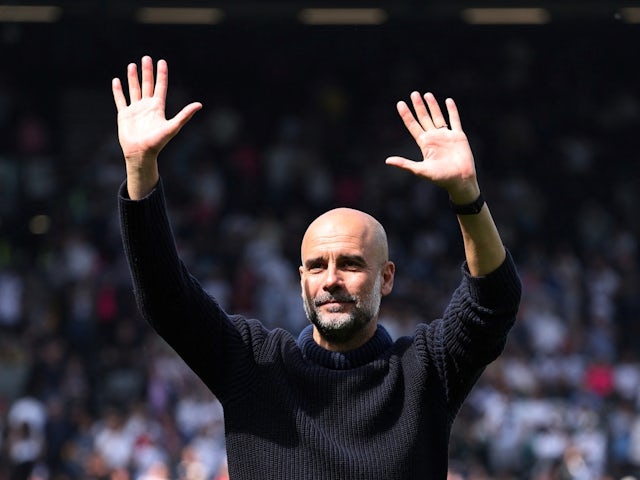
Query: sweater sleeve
(474, 328)
(215, 345)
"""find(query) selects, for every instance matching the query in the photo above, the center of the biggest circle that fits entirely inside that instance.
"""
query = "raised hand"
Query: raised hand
(143, 129)
(447, 159)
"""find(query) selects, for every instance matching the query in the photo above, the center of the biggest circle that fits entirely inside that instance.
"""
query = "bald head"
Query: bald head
(345, 272)
(351, 226)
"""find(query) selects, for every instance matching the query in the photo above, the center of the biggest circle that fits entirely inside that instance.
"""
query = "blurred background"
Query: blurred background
(299, 115)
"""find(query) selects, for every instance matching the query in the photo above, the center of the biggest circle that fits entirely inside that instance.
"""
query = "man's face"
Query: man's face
(345, 308)
(343, 278)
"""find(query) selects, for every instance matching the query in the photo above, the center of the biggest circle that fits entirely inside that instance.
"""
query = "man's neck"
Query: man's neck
(358, 340)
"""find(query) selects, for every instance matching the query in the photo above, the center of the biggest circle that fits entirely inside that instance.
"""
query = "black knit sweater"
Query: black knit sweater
(296, 411)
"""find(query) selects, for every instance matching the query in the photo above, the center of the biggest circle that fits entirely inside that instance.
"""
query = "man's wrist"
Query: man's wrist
(140, 183)
(463, 192)
(470, 208)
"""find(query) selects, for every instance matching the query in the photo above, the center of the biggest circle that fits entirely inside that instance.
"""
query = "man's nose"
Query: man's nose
(332, 278)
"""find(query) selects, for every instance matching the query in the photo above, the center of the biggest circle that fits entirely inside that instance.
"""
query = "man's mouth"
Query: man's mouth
(334, 302)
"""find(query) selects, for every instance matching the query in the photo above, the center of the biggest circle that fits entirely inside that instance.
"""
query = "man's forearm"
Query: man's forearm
(483, 247)
(141, 180)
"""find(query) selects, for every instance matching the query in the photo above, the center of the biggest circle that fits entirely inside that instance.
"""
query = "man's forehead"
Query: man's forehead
(346, 232)
(334, 245)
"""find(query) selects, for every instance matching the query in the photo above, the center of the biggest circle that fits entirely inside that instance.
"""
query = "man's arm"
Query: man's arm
(448, 162)
(169, 298)
(143, 129)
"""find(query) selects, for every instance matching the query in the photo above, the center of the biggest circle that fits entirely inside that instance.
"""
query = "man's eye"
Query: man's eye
(351, 266)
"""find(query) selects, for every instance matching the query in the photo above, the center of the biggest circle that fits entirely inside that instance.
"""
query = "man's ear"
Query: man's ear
(388, 273)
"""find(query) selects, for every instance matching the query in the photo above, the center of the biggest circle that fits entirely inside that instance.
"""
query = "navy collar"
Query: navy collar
(368, 352)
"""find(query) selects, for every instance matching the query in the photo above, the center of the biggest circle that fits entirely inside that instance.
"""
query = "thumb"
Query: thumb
(184, 115)
(402, 163)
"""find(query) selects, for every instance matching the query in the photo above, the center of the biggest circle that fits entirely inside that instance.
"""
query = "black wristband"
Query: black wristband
(472, 208)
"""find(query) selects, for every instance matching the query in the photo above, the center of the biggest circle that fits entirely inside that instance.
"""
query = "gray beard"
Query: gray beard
(344, 329)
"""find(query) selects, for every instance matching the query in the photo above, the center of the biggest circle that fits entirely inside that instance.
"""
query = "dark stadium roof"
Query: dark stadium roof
(289, 10)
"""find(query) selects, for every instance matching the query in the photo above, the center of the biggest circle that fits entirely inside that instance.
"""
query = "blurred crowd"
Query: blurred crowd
(291, 126)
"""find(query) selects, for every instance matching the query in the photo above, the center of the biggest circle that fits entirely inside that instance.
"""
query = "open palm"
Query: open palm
(143, 129)
(447, 159)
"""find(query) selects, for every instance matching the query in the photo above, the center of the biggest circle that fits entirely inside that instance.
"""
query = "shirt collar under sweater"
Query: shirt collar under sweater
(368, 352)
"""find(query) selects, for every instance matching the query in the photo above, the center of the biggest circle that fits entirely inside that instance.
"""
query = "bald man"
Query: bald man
(343, 400)
(345, 272)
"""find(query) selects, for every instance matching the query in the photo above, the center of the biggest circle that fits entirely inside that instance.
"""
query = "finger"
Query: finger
(162, 80)
(147, 77)
(134, 83)
(436, 114)
(454, 115)
(415, 129)
(401, 162)
(421, 111)
(118, 94)
(184, 115)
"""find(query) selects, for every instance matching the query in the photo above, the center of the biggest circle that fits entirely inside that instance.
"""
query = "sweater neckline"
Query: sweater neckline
(368, 352)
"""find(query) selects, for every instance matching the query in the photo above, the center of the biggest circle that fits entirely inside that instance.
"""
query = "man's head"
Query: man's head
(344, 274)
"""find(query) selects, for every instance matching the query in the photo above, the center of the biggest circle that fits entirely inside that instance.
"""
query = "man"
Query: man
(342, 401)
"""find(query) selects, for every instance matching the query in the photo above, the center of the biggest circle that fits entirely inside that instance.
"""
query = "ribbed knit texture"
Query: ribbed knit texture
(295, 411)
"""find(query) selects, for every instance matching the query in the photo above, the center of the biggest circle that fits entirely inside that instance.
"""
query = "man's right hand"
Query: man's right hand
(143, 129)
